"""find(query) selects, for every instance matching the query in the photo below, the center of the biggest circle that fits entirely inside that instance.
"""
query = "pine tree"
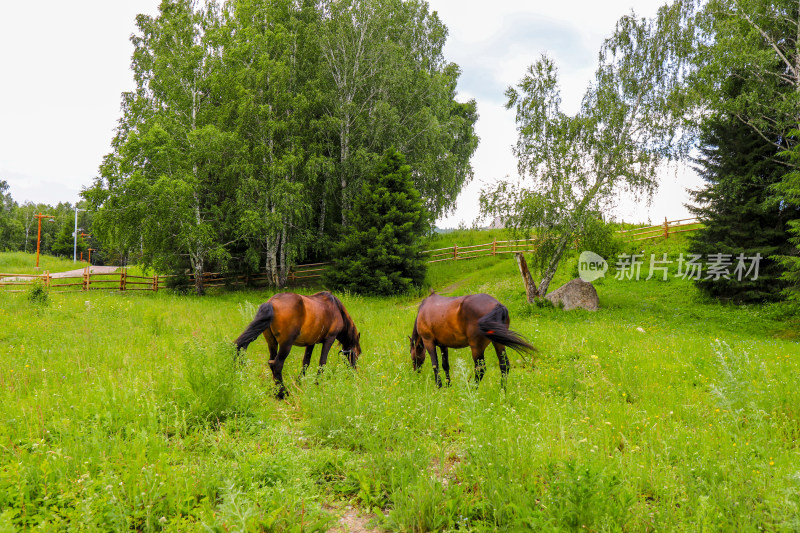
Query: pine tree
(739, 167)
(378, 252)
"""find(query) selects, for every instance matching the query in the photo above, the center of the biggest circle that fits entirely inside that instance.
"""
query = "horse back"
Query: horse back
(306, 319)
(453, 322)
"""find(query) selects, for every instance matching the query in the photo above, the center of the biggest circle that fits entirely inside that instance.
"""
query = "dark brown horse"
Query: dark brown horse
(289, 319)
(475, 320)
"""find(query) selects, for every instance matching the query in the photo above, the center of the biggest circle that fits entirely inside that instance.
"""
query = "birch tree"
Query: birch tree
(571, 167)
(158, 187)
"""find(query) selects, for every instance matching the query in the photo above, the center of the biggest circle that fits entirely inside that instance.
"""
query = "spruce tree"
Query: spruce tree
(378, 251)
(739, 167)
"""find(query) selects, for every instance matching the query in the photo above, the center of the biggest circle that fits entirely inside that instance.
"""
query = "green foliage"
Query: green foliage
(378, 252)
(735, 206)
(756, 40)
(38, 293)
(787, 192)
(216, 380)
(65, 245)
(576, 164)
(253, 125)
(11, 230)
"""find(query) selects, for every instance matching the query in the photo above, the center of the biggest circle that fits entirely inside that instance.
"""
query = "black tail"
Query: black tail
(259, 324)
(493, 325)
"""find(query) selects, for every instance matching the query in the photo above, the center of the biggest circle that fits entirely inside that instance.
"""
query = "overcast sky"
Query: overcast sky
(64, 65)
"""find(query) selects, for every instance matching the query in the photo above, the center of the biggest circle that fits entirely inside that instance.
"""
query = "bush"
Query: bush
(39, 293)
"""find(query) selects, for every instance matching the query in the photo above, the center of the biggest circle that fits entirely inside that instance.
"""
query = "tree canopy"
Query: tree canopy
(254, 122)
(756, 43)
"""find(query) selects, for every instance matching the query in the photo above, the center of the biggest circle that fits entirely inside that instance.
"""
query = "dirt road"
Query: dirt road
(70, 273)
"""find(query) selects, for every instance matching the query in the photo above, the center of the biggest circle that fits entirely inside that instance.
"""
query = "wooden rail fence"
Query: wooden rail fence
(669, 227)
(300, 274)
(87, 281)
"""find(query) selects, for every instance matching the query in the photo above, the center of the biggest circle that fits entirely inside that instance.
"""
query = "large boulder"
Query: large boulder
(576, 294)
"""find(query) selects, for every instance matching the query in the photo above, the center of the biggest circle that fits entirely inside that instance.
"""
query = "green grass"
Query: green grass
(25, 263)
(122, 411)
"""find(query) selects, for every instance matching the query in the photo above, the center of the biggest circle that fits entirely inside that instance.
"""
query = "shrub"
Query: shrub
(39, 293)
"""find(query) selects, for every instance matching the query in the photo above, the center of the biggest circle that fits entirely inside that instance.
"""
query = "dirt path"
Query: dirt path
(79, 272)
(94, 269)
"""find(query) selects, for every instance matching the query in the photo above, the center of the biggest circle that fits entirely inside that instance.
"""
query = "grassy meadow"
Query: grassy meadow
(663, 411)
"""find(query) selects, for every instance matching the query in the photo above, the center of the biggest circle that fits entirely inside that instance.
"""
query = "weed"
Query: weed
(217, 382)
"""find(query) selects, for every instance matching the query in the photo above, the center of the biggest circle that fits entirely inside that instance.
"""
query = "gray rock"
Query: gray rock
(576, 294)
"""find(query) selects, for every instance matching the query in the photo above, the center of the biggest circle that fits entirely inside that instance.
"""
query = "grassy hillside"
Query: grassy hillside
(25, 263)
(661, 411)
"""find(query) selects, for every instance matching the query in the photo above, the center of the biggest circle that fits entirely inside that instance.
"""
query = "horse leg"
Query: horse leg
(272, 344)
(446, 364)
(323, 356)
(504, 364)
(435, 362)
(307, 359)
(277, 368)
(480, 363)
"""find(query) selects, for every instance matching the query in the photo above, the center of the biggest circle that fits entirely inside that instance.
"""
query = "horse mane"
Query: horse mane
(350, 331)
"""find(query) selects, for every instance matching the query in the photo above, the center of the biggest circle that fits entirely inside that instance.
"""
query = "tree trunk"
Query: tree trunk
(197, 267)
(553, 265)
(322, 209)
(527, 279)
(282, 267)
(344, 134)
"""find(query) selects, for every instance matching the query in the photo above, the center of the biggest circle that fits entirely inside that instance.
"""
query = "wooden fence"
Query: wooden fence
(455, 252)
(123, 281)
(301, 274)
(87, 281)
(669, 227)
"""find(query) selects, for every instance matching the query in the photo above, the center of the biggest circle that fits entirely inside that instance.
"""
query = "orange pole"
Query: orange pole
(40, 216)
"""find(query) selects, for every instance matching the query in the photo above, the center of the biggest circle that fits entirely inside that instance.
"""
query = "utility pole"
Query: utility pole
(75, 235)
(40, 216)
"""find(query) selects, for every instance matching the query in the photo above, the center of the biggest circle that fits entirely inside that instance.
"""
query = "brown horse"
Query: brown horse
(475, 320)
(289, 319)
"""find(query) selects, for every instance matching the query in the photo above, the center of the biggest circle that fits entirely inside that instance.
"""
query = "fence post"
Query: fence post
(86, 278)
(494, 246)
(47, 278)
(122, 280)
(666, 228)
(455, 251)
(155, 282)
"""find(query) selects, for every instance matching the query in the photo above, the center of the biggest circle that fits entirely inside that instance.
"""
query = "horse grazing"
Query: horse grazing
(475, 320)
(289, 319)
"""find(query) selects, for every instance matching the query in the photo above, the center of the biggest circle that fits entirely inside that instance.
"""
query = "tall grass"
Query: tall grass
(661, 411)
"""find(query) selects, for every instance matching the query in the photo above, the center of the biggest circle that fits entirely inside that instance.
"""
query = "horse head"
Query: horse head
(417, 350)
(354, 351)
